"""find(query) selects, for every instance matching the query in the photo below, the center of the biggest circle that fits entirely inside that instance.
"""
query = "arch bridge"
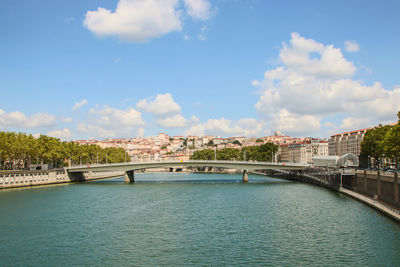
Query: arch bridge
(75, 173)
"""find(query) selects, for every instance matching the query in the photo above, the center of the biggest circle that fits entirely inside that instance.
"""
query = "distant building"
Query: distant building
(347, 142)
(303, 151)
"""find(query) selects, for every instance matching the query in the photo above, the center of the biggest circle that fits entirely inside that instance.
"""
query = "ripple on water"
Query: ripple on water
(192, 219)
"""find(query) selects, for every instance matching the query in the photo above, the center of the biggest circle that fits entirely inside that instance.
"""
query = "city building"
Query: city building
(347, 142)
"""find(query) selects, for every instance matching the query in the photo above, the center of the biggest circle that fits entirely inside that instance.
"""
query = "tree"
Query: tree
(391, 142)
(236, 142)
(372, 144)
(205, 154)
(259, 140)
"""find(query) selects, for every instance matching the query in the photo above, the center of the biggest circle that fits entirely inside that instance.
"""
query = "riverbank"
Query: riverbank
(18, 179)
(380, 206)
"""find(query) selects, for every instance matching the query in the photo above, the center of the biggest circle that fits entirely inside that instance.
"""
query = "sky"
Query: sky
(124, 68)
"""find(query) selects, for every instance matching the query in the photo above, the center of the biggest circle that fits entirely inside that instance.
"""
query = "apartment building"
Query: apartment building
(303, 151)
(347, 142)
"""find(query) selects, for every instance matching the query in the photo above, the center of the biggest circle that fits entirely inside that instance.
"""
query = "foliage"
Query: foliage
(256, 153)
(19, 150)
(236, 142)
(259, 140)
(372, 144)
(382, 141)
(205, 154)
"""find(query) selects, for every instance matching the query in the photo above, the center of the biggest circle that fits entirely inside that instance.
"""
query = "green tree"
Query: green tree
(372, 144)
(391, 142)
(205, 154)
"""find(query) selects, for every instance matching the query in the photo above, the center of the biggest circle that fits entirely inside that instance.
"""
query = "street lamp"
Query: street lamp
(369, 162)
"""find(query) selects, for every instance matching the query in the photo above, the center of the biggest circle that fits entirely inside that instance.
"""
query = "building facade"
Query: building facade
(347, 142)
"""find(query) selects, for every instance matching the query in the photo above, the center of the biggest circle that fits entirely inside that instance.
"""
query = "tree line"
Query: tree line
(19, 150)
(263, 152)
(382, 142)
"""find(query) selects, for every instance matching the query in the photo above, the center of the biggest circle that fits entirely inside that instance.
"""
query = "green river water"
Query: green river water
(186, 219)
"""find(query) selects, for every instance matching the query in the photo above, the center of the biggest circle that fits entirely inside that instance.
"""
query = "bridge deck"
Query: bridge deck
(241, 165)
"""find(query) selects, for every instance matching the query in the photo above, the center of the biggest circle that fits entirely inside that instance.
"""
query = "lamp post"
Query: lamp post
(369, 162)
(215, 154)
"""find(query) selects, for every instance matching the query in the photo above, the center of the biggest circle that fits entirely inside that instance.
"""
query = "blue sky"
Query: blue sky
(123, 68)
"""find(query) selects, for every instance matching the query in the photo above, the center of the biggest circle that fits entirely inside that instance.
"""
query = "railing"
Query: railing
(261, 163)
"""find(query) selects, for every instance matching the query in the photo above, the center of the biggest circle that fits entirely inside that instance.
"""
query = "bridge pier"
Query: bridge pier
(76, 176)
(129, 177)
(245, 177)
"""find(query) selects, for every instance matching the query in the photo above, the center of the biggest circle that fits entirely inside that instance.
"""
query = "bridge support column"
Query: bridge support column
(129, 177)
(76, 176)
(245, 177)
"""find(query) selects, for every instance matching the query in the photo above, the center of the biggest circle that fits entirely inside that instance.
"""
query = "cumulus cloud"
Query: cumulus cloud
(353, 123)
(176, 121)
(17, 119)
(64, 134)
(79, 104)
(198, 9)
(162, 105)
(308, 57)
(314, 83)
(135, 20)
(107, 122)
(166, 111)
(351, 46)
(225, 127)
(294, 123)
(66, 119)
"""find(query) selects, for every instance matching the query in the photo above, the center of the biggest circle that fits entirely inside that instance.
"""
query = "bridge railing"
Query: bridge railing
(193, 161)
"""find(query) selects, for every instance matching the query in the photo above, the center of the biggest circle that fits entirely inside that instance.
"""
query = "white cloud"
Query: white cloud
(198, 9)
(163, 105)
(225, 127)
(141, 132)
(176, 121)
(109, 116)
(351, 46)
(80, 104)
(18, 119)
(64, 134)
(186, 37)
(308, 57)
(294, 124)
(354, 123)
(66, 119)
(309, 89)
(135, 20)
(108, 122)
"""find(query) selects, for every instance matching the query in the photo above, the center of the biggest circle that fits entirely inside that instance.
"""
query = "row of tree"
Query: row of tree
(382, 142)
(19, 150)
(263, 152)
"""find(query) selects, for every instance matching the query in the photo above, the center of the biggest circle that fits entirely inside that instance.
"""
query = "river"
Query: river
(185, 219)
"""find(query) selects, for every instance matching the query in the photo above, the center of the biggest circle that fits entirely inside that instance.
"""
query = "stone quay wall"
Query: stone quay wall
(381, 185)
(14, 179)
